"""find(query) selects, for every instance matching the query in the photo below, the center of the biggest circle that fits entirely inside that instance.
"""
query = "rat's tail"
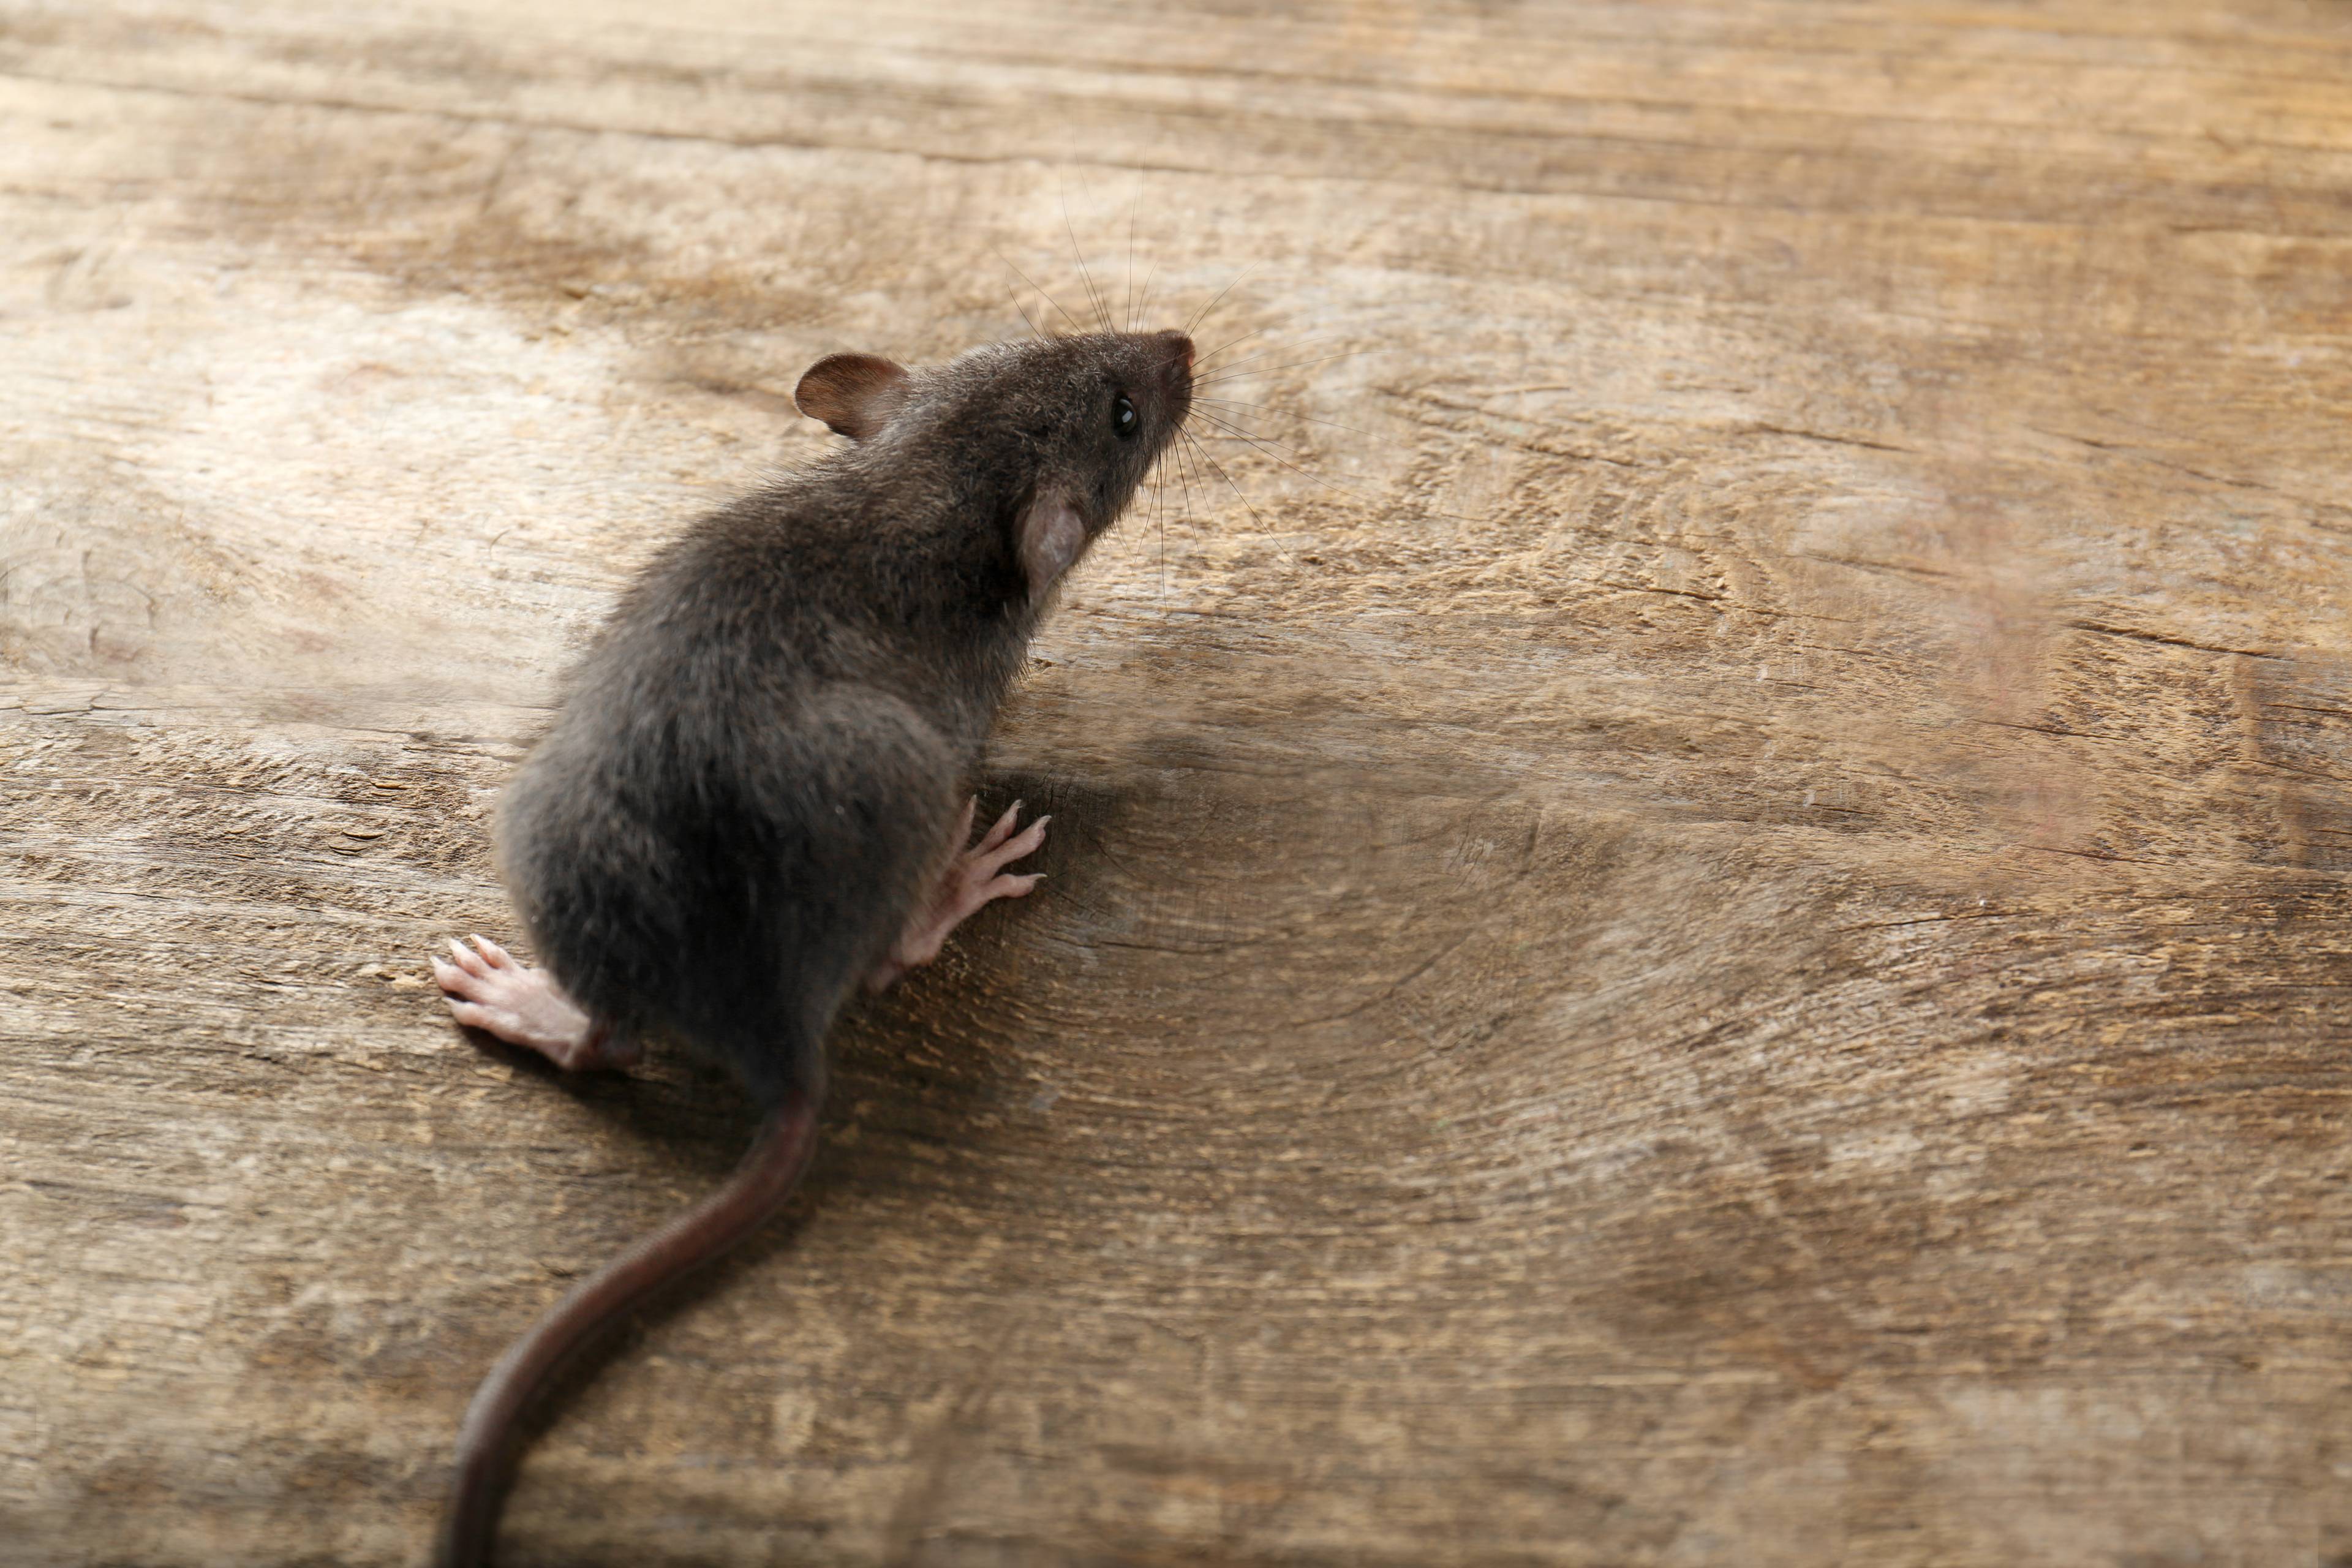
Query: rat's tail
(486, 1443)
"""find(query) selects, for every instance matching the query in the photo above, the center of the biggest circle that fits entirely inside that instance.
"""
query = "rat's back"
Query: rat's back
(732, 816)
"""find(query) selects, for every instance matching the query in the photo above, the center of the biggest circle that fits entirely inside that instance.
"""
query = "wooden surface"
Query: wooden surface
(1737, 951)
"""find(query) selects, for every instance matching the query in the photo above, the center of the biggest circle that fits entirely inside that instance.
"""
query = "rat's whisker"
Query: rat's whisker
(1268, 350)
(1297, 458)
(1234, 428)
(1227, 477)
(1335, 486)
(1102, 310)
(1134, 202)
(1285, 414)
(1017, 305)
(1246, 337)
(1186, 474)
(1159, 517)
(1231, 372)
(1225, 421)
(1144, 303)
(1033, 284)
(1203, 313)
(1299, 468)
(1236, 432)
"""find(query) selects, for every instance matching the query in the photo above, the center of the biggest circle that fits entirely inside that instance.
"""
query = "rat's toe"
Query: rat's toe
(998, 831)
(989, 860)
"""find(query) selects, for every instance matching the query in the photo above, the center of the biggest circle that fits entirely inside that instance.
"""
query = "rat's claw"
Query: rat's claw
(993, 857)
(499, 956)
(997, 831)
(467, 959)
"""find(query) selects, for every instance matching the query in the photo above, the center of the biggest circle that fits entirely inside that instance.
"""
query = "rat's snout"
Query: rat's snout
(1180, 353)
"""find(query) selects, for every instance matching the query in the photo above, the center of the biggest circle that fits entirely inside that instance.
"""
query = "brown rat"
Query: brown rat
(753, 799)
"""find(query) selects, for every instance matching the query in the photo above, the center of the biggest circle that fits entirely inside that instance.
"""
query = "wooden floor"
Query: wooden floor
(1726, 938)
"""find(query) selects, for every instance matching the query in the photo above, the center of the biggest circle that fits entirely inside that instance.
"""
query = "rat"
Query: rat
(755, 796)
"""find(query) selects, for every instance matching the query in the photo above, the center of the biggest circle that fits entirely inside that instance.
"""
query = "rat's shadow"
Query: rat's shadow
(915, 1062)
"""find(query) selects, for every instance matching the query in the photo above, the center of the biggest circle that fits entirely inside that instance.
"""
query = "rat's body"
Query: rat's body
(753, 799)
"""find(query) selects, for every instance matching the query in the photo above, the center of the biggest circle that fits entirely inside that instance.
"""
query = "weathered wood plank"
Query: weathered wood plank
(1735, 951)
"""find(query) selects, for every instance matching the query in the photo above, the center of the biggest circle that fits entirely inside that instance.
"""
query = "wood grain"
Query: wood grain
(1725, 939)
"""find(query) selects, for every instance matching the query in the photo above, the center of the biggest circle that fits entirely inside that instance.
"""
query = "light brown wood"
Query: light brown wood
(1734, 948)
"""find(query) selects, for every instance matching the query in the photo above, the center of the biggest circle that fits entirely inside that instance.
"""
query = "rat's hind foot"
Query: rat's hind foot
(973, 879)
(487, 990)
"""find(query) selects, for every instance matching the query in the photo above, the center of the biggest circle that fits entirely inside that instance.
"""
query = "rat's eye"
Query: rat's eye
(1123, 420)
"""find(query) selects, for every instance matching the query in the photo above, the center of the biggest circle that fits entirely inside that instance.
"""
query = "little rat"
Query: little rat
(755, 796)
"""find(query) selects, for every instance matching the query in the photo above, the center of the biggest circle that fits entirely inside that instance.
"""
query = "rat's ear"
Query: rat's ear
(1047, 535)
(855, 393)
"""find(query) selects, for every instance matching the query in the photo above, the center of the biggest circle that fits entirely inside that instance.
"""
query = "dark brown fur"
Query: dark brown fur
(764, 755)
(761, 761)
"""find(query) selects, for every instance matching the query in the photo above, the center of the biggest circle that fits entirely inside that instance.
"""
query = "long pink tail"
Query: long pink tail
(486, 1443)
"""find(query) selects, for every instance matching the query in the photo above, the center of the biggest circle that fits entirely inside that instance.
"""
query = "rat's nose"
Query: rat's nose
(1179, 348)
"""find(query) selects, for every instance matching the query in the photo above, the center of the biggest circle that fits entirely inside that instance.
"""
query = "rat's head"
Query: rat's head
(1054, 435)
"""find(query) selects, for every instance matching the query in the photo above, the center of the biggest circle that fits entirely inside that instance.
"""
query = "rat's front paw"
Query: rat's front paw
(974, 879)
